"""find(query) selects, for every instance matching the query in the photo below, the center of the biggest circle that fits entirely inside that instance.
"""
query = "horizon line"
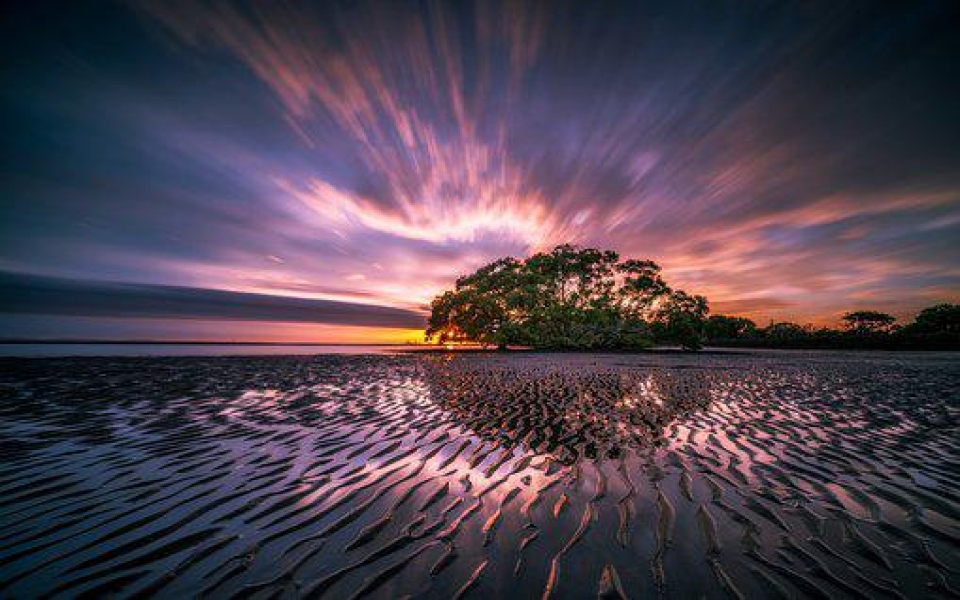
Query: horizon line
(24, 341)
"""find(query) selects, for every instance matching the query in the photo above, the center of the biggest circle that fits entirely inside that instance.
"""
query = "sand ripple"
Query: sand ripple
(772, 475)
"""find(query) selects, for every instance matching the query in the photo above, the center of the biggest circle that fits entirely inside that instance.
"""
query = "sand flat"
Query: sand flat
(766, 474)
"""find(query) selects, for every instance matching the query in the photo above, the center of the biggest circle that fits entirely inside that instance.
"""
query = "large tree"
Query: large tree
(868, 321)
(723, 327)
(681, 320)
(942, 319)
(567, 298)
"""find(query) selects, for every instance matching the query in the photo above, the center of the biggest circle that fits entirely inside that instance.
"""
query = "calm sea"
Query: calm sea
(32, 350)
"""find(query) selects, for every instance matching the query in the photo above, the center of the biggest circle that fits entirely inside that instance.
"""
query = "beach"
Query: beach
(754, 474)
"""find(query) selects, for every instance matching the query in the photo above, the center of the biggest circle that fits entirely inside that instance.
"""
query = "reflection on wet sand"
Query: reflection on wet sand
(595, 411)
(826, 475)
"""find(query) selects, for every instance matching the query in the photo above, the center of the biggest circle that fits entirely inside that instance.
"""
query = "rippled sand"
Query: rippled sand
(777, 474)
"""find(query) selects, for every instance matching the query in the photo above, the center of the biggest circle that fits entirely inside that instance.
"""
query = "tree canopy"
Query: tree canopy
(724, 327)
(942, 319)
(868, 321)
(569, 297)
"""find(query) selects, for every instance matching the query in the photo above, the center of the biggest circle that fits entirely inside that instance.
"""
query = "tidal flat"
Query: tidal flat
(740, 474)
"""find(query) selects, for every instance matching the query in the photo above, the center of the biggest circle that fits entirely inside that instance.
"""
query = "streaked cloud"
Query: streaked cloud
(30, 294)
(790, 161)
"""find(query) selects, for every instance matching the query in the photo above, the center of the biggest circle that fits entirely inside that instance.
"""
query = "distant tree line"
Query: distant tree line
(568, 298)
(935, 328)
(584, 298)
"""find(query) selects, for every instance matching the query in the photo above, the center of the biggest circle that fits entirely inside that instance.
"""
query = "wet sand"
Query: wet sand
(774, 474)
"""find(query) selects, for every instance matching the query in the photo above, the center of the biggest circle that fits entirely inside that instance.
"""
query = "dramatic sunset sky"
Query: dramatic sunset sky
(164, 162)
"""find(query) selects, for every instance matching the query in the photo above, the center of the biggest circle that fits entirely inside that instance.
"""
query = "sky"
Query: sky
(319, 171)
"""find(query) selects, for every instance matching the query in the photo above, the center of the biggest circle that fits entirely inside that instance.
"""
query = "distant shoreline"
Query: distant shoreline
(465, 349)
(202, 343)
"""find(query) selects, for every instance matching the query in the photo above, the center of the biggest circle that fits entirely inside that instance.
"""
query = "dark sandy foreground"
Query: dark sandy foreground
(773, 475)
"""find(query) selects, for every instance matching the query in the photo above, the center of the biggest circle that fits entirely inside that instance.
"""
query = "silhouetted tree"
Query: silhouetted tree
(935, 328)
(939, 319)
(479, 308)
(784, 331)
(641, 289)
(682, 318)
(722, 327)
(567, 298)
(868, 321)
